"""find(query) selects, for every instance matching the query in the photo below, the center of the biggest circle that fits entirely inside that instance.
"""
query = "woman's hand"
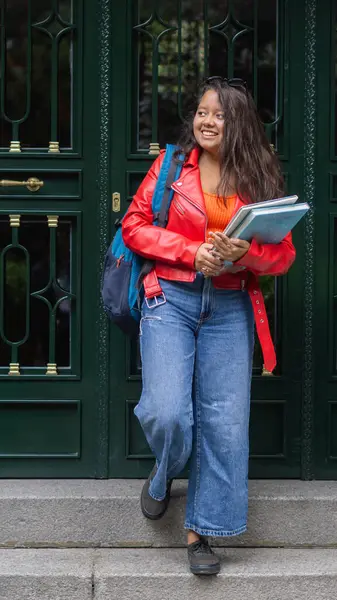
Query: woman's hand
(206, 262)
(227, 248)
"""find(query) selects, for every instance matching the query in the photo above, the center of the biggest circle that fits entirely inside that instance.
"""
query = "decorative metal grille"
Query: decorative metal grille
(38, 291)
(36, 75)
(177, 44)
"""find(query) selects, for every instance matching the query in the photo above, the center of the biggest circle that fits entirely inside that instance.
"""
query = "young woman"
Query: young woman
(197, 325)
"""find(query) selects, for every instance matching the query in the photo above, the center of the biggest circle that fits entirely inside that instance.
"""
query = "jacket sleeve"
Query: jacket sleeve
(269, 259)
(148, 240)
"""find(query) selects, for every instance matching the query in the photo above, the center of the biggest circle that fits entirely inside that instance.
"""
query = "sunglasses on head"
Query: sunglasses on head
(235, 82)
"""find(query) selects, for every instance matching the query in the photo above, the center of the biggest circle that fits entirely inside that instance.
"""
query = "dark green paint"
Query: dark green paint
(324, 413)
(80, 423)
(276, 404)
(49, 424)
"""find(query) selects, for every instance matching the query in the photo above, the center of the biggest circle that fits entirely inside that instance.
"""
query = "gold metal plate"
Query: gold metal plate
(53, 220)
(116, 202)
(15, 146)
(154, 148)
(54, 147)
(14, 369)
(51, 369)
(14, 221)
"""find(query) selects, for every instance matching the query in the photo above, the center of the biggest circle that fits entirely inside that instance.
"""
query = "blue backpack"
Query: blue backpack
(123, 270)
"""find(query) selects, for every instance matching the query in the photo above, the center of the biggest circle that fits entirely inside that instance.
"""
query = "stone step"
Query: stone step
(46, 574)
(158, 574)
(93, 513)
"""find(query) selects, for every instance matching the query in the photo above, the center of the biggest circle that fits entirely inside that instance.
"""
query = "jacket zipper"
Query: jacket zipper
(179, 207)
(243, 282)
(193, 204)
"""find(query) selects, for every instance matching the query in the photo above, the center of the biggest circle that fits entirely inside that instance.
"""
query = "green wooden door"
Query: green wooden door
(323, 430)
(160, 51)
(49, 239)
(88, 92)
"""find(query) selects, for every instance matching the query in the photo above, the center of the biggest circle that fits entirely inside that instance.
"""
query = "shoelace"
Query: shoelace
(202, 548)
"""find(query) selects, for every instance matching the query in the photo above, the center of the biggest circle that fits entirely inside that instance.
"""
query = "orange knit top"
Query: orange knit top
(219, 211)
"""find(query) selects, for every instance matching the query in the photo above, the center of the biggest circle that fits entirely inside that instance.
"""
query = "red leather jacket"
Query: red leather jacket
(174, 248)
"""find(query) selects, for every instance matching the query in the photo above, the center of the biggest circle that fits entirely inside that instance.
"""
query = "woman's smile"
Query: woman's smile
(206, 133)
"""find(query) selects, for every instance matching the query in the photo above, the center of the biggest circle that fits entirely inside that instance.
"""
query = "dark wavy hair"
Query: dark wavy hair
(245, 153)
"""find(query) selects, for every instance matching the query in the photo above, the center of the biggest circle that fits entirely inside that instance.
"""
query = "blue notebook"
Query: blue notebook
(246, 209)
(269, 225)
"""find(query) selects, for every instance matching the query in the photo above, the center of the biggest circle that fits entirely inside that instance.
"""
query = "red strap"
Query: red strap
(152, 288)
(262, 325)
(151, 285)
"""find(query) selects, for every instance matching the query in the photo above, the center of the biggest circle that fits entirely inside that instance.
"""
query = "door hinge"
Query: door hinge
(116, 202)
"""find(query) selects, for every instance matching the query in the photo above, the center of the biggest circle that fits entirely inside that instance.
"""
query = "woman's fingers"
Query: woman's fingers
(240, 243)
(215, 264)
(222, 243)
(220, 237)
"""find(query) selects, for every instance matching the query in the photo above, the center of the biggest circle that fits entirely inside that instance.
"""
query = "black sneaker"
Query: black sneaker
(151, 508)
(202, 559)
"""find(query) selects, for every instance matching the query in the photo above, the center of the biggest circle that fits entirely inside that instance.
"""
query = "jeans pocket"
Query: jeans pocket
(146, 318)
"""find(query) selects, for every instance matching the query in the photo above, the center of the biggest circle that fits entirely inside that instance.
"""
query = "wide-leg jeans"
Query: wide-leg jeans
(196, 352)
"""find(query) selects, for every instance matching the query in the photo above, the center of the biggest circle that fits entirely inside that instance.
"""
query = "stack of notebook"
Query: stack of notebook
(266, 222)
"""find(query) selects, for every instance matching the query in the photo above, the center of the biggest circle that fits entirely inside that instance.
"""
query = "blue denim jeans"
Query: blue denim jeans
(196, 354)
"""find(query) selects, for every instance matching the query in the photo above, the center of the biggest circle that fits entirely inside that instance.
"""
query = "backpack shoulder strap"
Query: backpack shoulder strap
(161, 200)
(169, 172)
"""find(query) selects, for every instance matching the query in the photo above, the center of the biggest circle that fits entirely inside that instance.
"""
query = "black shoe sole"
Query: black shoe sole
(203, 570)
(152, 517)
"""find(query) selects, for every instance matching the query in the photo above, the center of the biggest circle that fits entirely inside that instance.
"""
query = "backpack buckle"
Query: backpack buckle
(155, 301)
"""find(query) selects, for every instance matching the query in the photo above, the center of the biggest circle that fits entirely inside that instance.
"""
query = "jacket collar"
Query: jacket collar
(189, 185)
(193, 157)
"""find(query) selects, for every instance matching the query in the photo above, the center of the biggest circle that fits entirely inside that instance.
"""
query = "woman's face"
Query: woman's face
(208, 124)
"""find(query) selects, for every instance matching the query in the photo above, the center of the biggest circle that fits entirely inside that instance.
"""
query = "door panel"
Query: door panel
(325, 413)
(49, 239)
(169, 49)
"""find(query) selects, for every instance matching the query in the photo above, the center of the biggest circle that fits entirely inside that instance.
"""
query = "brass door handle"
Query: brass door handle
(32, 184)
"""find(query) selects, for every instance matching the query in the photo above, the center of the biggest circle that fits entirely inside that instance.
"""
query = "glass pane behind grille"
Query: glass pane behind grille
(39, 293)
(177, 44)
(36, 57)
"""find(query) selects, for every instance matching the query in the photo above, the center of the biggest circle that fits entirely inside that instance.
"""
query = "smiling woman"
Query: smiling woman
(197, 354)
(226, 123)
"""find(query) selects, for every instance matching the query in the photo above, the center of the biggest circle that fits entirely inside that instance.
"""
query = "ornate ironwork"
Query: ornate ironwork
(36, 320)
(102, 344)
(43, 31)
(174, 54)
(309, 193)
